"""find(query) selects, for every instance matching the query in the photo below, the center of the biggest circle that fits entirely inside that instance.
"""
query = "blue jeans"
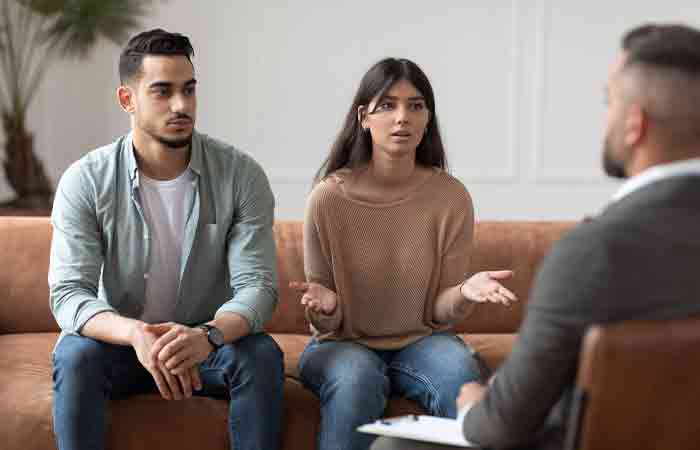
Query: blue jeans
(354, 382)
(87, 373)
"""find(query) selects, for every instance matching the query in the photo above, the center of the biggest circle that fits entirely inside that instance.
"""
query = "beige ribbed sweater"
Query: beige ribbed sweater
(387, 262)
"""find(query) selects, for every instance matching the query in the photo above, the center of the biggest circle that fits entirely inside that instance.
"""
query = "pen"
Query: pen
(393, 420)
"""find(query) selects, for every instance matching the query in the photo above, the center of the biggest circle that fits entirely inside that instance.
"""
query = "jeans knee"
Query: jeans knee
(80, 357)
(257, 357)
(332, 367)
(357, 388)
(264, 353)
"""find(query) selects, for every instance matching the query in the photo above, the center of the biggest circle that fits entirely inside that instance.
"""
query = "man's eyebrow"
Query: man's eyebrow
(157, 84)
(160, 84)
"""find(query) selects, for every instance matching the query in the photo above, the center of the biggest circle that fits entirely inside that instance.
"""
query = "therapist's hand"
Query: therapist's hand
(470, 394)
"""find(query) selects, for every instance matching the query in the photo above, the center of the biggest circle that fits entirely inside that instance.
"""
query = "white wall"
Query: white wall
(518, 85)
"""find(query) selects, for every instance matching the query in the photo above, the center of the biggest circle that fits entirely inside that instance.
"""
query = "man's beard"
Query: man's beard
(613, 168)
(174, 143)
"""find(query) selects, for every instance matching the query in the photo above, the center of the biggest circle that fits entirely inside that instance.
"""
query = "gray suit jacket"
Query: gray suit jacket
(640, 259)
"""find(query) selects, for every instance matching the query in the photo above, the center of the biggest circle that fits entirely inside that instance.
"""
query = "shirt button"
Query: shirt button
(145, 276)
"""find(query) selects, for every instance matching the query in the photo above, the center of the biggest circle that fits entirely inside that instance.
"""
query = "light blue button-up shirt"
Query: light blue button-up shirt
(101, 243)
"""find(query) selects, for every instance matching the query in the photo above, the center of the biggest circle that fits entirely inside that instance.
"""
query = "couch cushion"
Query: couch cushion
(493, 348)
(139, 422)
(289, 315)
(24, 245)
(26, 391)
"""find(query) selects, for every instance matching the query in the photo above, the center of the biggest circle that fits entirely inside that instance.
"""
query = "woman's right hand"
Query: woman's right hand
(316, 297)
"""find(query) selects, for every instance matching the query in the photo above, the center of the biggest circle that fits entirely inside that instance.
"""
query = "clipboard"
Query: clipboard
(433, 429)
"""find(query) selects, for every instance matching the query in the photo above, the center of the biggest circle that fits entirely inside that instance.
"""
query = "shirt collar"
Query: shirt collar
(195, 155)
(130, 158)
(657, 173)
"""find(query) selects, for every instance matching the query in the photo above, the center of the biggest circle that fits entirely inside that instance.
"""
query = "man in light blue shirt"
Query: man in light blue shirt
(163, 265)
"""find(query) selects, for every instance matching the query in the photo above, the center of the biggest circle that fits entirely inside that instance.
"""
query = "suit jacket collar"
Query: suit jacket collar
(678, 190)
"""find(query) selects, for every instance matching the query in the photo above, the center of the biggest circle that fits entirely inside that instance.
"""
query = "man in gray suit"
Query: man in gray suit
(638, 260)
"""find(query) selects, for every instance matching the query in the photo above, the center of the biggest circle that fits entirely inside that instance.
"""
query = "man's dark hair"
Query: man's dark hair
(152, 42)
(671, 46)
(662, 65)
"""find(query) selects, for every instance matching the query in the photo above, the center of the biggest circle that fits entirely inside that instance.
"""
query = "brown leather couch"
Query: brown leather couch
(28, 333)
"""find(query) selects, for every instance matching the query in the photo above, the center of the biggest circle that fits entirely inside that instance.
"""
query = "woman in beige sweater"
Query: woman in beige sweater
(387, 239)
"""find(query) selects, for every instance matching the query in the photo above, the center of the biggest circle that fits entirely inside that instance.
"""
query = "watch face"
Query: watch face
(216, 337)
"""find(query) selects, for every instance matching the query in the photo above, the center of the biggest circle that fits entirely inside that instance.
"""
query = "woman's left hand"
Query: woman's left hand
(486, 287)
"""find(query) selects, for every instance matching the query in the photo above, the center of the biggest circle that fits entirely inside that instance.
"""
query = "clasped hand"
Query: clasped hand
(171, 354)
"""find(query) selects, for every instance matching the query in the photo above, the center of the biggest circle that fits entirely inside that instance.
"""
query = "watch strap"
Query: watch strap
(207, 330)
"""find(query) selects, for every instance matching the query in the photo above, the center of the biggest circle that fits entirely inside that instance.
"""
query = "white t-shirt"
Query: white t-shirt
(166, 205)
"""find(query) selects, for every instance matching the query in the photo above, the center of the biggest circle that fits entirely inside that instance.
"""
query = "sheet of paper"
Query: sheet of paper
(420, 428)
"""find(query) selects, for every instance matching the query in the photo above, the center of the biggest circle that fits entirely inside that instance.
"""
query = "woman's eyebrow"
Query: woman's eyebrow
(393, 97)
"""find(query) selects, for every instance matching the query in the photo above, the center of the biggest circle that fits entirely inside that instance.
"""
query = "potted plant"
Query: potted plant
(34, 34)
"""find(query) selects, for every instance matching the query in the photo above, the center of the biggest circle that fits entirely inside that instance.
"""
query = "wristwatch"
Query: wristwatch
(214, 335)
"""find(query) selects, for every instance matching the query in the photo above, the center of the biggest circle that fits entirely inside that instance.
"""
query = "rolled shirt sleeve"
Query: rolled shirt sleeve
(252, 256)
(76, 253)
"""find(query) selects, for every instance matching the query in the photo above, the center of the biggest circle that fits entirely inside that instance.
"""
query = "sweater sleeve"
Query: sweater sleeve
(458, 237)
(317, 266)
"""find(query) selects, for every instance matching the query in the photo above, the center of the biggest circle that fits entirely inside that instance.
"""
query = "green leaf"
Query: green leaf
(45, 7)
(34, 32)
(80, 23)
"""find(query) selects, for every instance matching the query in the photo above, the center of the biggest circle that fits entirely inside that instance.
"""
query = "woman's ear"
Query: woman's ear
(362, 116)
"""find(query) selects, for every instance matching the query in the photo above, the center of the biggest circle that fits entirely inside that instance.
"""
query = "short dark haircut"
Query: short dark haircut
(353, 145)
(671, 46)
(662, 63)
(151, 42)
